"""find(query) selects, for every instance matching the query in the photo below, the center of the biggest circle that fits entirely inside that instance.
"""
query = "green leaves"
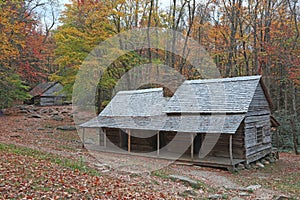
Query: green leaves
(12, 89)
(83, 28)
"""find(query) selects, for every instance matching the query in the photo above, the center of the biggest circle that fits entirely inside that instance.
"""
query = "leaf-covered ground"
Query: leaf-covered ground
(38, 161)
(283, 176)
(26, 173)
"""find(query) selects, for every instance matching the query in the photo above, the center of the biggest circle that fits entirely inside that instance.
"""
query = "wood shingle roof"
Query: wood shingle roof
(199, 106)
(41, 88)
(226, 95)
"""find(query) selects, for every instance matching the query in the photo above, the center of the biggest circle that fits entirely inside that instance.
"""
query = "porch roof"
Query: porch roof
(217, 123)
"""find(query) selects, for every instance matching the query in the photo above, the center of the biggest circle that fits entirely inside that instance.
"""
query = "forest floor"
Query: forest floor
(40, 161)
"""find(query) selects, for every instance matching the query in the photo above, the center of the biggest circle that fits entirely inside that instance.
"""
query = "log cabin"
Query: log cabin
(212, 122)
(47, 94)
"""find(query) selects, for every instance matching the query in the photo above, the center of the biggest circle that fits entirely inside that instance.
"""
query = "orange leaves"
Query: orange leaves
(294, 74)
(32, 176)
(22, 51)
(35, 58)
(97, 181)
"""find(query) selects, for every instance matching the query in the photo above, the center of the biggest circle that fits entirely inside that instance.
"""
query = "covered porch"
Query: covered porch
(185, 148)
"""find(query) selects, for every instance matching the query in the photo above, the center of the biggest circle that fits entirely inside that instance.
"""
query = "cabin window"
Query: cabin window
(259, 135)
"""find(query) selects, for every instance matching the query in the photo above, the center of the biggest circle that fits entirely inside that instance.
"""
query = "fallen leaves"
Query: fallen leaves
(56, 167)
(35, 176)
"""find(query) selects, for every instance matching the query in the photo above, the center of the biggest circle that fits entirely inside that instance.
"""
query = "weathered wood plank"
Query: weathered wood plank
(230, 149)
(257, 148)
(258, 155)
(259, 101)
(257, 118)
(129, 141)
(158, 144)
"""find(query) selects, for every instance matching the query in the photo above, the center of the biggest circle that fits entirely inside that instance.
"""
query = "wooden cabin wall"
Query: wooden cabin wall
(51, 100)
(177, 145)
(52, 96)
(47, 101)
(113, 135)
(143, 140)
(36, 100)
(221, 149)
(257, 116)
(238, 143)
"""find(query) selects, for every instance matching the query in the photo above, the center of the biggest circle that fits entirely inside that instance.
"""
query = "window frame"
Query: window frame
(259, 134)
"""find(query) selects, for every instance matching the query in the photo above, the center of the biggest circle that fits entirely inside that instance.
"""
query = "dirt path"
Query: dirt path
(224, 183)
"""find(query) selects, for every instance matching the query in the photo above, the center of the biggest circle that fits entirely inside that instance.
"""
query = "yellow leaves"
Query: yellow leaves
(12, 34)
(83, 28)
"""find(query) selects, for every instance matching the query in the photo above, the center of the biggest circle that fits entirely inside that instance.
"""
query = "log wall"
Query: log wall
(221, 149)
(257, 117)
(141, 140)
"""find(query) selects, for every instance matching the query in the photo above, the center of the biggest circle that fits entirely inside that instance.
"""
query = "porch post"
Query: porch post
(99, 135)
(129, 145)
(230, 149)
(158, 143)
(83, 130)
(104, 137)
(121, 143)
(192, 146)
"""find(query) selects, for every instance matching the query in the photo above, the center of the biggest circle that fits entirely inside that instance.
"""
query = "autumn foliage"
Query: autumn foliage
(242, 38)
(25, 50)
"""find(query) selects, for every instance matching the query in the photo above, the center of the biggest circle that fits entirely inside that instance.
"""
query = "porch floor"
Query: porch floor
(209, 161)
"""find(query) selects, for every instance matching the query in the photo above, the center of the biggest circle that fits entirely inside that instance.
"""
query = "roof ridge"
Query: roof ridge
(220, 80)
(140, 91)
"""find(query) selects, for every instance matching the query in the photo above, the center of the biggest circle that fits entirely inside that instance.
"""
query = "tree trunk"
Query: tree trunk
(191, 11)
(286, 97)
(148, 32)
(255, 46)
(174, 34)
(244, 49)
(294, 120)
(99, 99)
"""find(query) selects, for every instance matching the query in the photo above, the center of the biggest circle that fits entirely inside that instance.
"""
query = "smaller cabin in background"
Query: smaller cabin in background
(47, 94)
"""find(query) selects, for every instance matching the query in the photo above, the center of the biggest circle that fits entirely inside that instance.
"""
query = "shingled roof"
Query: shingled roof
(226, 95)
(135, 109)
(201, 106)
(47, 89)
(41, 88)
(146, 102)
